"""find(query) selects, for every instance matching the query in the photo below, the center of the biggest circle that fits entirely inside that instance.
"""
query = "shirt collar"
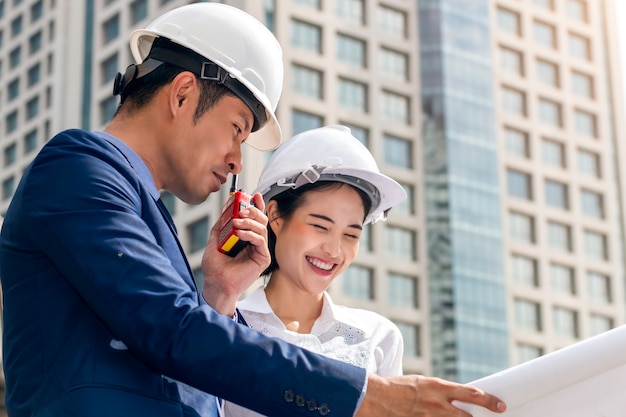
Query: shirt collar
(138, 165)
(331, 313)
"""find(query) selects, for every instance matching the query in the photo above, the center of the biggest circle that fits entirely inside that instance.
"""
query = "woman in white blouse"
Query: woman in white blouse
(320, 188)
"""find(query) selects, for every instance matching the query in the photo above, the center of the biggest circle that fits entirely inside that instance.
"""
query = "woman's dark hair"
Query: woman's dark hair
(143, 89)
(291, 199)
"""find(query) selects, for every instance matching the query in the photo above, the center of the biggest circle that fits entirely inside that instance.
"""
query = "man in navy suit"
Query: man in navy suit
(101, 313)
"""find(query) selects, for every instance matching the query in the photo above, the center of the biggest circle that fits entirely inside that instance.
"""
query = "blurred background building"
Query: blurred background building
(501, 118)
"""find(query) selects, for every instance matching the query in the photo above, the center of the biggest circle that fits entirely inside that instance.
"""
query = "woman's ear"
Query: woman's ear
(273, 216)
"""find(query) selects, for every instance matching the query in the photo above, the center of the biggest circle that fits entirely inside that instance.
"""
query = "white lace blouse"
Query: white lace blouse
(359, 337)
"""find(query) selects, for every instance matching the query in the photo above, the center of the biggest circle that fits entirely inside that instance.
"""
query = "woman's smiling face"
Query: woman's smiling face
(320, 239)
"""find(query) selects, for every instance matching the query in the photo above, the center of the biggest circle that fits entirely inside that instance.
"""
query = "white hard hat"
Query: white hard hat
(235, 41)
(330, 153)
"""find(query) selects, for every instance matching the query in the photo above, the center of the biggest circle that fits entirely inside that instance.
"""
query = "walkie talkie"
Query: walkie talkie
(229, 242)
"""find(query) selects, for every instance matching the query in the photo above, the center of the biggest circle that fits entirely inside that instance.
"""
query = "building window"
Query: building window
(526, 352)
(306, 36)
(579, 47)
(34, 43)
(562, 279)
(521, 228)
(548, 73)
(527, 315)
(10, 153)
(301, 121)
(599, 288)
(307, 81)
(13, 89)
(553, 153)
(511, 61)
(556, 195)
(509, 22)
(32, 108)
(402, 290)
(394, 64)
(36, 11)
(582, 85)
(8, 188)
(544, 34)
(397, 152)
(565, 322)
(395, 107)
(599, 324)
(198, 233)
(16, 26)
(585, 123)
(519, 184)
(559, 236)
(516, 142)
(550, 113)
(401, 243)
(411, 338)
(314, 4)
(392, 22)
(514, 101)
(524, 271)
(33, 75)
(576, 9)
(352, 11)
(109, 68)
(353, 95)
(588, 164)
(595, 245)
(358, 282)
(138, 11)
(111, 29)
(10, 122)
(592, 204)
(544, 4)
(107, 109)
(15, 57)
(351, 50)
(30, 141)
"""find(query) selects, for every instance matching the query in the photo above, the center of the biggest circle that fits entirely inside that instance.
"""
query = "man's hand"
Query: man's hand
(416, 395)
(225, 277)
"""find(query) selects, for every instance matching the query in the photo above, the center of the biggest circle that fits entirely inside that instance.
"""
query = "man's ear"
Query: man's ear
(182, 88)
(273, 216)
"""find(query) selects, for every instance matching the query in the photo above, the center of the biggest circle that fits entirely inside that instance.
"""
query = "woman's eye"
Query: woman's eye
(319, 226)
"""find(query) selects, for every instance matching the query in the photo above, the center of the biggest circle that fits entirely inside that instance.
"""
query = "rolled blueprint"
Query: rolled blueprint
(586, 379)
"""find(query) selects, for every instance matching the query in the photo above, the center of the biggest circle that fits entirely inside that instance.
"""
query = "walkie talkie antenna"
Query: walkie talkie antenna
(233, 186)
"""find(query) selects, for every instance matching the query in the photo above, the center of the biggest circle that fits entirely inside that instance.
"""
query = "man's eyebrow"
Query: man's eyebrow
(328, 219)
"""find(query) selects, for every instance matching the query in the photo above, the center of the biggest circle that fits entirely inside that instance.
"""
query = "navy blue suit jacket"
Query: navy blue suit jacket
(101, 313)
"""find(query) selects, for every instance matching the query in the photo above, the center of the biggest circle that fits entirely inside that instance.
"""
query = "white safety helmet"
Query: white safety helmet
(330, 153)
(238, 43)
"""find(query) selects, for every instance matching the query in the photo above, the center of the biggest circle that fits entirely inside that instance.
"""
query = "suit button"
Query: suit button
(311, 405)
(323, 409)
(289, 396)
(300, 400)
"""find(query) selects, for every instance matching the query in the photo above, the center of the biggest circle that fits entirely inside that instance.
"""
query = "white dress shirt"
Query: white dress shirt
(359, 337)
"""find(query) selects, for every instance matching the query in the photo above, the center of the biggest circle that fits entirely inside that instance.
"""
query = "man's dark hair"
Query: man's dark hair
(142, 90)
(291, 199)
